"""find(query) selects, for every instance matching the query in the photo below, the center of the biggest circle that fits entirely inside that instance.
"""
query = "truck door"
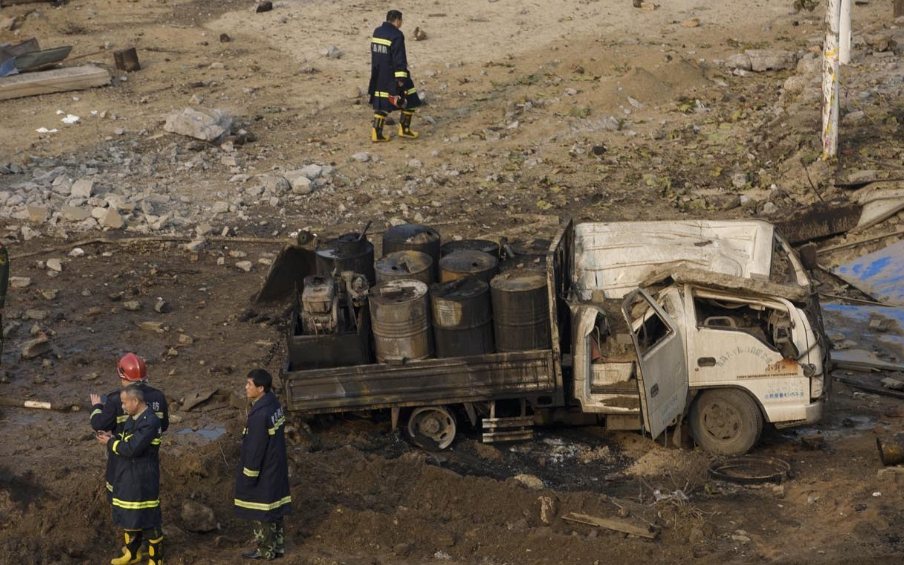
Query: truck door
(662, 360)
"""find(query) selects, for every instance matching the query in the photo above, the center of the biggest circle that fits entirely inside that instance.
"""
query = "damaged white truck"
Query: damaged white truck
(650, 324)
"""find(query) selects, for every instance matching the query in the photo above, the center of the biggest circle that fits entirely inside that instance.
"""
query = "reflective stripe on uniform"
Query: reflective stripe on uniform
(115, 443)
(156, 441)
(136, 505)
(121, 419)
(263, 506)
(411, 91)
(96, 412)
(249, 473)
(109, 487)
(379, 94)
(401, 74)
(380, 41)
(280, 422)
(159, 414)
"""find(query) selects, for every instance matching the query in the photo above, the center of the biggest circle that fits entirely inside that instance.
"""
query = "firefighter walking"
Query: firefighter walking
(262, 475)
(391, 87)
(110, 416)
(136, 483)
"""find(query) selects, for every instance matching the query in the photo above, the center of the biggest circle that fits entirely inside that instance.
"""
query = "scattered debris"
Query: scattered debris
(197, 398)
(549, 507)
(623, 525)
(820, 220)
(204, 124)
(419, 34)
(530, 481)
(48, 82)
(879, 274)
(127, 60)
(264, 7)
(35, 347)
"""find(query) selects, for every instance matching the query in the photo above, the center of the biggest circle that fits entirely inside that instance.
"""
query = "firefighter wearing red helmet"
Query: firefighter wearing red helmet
(108, 415)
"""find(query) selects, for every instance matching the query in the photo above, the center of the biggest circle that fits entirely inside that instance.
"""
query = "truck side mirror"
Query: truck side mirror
(808, 257)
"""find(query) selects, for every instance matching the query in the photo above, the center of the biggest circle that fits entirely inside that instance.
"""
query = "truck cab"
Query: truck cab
(714, 322)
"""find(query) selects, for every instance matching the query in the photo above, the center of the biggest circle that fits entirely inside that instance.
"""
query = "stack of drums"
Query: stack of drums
(462, 318)
(520, 311)
(468, 264)
(400, 317)
(398, 265)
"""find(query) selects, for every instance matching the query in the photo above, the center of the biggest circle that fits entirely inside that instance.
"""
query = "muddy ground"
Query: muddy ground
(534, 120)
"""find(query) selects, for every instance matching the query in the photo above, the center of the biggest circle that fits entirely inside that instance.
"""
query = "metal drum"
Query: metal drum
(405, 265)
(412, 237)
(520, 311)
(349, 252)
(473, 264)
(462, 318)
(527, 254)
(400, 318)
(485, 245)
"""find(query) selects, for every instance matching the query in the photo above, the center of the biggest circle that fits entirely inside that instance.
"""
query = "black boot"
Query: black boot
(155, 549)
(131, 553)
(405, 125)
(376, 134)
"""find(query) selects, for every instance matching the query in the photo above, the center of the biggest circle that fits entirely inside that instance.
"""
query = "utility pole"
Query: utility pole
(830, 82)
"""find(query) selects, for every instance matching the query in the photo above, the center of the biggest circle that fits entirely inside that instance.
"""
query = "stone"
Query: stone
(769, 208)
(892, 384)
(197, 517)
(245, 266)
(195, 245)
(161, 306)
(77, 252)
(82, 188)
(739, 61)
(693, 22)
(879, 42)
(73, 214)
(37, 213)
(333, 52)
(549, 507)
(185, 339)
(152, 327)
(312, 171)
(853, 117)
(739, 180)
(220, 207)
(361, 157)
(35, 348)
(202, 123)
(34, 314)
(55, 265)
(274, 183)
(132, 305)
(768, 60)
(809, 64)
(299, 182)
(203, 229)
(530, 481)
(19, 282)
(111, 219)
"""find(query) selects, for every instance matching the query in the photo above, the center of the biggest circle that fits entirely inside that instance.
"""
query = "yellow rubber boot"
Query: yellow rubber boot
(376, 134)
(405, 126)
(131, 553)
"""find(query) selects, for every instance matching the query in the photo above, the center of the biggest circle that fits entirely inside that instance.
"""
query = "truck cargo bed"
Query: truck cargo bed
(496, 376)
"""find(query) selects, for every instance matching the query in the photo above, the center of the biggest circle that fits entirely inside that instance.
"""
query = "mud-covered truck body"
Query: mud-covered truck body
(650, 323)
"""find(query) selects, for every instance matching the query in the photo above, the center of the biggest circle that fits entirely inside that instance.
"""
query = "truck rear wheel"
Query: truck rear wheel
(725, 421)
(432, 428)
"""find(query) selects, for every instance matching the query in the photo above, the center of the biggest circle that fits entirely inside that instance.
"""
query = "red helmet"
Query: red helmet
(132, 368)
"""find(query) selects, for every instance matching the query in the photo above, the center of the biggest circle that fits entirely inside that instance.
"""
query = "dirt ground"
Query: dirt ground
(592, 109)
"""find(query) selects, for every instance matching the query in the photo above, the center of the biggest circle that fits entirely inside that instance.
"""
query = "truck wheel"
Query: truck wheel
(431, 428)
(726, 421)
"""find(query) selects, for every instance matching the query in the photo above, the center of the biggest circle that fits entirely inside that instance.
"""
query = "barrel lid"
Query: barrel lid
(411, 233)
(398, 291)
(518, 280)
(459, 289)
(467, 261)
(484, 245)
(404, 262)
(530, 246)
(347, 245)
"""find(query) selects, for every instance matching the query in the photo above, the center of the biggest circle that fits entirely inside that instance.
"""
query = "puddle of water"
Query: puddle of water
(205, 434)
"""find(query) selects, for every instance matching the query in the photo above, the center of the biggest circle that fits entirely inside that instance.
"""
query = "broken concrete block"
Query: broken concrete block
(152, 326)
(300, 183)
(738, 61)
(19, 282)
(767, 60)
(35, 348)
(204, 124)
(530, 481)
(549, 508)
(55, 265)
(892, 384)
(245, 266)
(111, 219)
(82, 188)
(73, 214)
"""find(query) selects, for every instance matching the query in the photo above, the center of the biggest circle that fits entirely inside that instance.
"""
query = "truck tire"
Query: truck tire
(432, 427)
(725, 421)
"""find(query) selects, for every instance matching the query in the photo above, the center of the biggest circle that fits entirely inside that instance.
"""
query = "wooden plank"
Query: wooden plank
(617, 525)
(48, 82)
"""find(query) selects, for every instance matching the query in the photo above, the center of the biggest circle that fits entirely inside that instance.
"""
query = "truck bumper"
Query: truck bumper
(812, 415)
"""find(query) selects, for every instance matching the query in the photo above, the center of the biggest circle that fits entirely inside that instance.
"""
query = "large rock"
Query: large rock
(82, 188)
(35, 348)
(739, 61)
(73, 214)
(767, 60)
(197, 517)
(301, 183)
(274, 184)
(204, 124)
(111, 219)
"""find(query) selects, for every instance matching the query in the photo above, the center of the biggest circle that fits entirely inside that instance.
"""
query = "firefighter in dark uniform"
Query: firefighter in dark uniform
(109, 416)
(391, 87)
(4, 283)
(136, 484)
(262, 476)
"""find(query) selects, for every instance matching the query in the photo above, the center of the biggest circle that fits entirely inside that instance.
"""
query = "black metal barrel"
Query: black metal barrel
(485, 245)
(473, 264)
(462, 318)
(412, 237)
(349, 252)
(527, 254)
(405, 265)
(400, 318)
(520, 311)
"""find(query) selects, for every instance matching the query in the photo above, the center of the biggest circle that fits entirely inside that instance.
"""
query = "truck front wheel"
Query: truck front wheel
(432, 428)
(725, 421)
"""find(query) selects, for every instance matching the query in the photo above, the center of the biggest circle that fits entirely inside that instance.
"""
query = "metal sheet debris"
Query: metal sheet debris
(866, 337)
(880, 274)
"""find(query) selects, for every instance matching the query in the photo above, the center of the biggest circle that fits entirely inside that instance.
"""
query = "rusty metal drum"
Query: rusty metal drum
(520, 311)
(462, 318)
(400, 318)
(349, 252)
(412, 237)
(485, 245)
(398, 265)
(466, 263)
